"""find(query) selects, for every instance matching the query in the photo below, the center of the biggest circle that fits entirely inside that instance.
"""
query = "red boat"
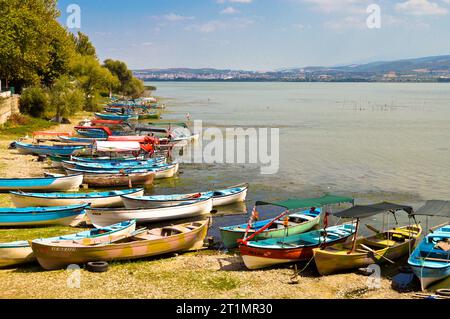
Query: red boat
(106, 122)
(273, 251)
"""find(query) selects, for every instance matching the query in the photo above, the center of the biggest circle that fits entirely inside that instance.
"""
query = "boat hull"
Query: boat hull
(42, 184)
(11, 256)
(428, 276)
(101, 217)
(24, 148)
(54, 257)
(115, 180)
(107, 201)
(38, 216)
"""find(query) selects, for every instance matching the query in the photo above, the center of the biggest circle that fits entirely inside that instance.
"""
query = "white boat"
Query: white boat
(167, 171)
(105, 216)
(221, 197)
(96, 199)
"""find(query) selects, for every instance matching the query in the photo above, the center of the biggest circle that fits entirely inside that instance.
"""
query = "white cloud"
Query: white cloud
(421, 8)
(234, 1)
(229, 10)
(219, 25)
(328, 6)
(173, 17)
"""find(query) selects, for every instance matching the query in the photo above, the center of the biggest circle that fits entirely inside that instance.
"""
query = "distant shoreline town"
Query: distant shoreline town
(428, 69)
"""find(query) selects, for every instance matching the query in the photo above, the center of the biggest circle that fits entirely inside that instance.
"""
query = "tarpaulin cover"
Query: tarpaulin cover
(105, 146)
(362, 211)
(435, 208)
(309, 202)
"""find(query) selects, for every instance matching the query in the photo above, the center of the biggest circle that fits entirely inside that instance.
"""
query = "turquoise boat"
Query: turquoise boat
(430, 261)
(114, 166)
(20, 252)
(65, 150)
(113, 116)
(43, 184)
(39, 216)
(299, 220)
(107, 199)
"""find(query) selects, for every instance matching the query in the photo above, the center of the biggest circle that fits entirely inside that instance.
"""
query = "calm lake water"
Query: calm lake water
(372, 141)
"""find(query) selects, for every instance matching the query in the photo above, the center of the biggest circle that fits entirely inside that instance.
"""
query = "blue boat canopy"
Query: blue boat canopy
(435, 208)
(363, 211)
(309, 202)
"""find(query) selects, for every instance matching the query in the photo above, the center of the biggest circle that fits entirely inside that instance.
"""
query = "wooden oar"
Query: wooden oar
(373, 251)
(432, 229)
(373, 229)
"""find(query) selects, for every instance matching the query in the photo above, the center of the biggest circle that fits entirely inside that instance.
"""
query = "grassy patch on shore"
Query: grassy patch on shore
(8, 235)
(21, 125)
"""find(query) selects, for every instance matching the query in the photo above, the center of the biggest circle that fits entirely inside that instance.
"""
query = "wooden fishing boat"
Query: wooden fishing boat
(20, 252)
(177, 238)
(26, 148)
(95, 199)
(220, 197)
(294, 248)
(430, 261)
(297, 220)
(33, 216)
(43, 184)
(194, 208)
(167, 171)
(113, 116)
(362, 252)
(114, 178)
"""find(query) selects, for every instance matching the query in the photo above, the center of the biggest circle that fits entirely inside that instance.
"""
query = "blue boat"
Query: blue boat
(20, 252)
(26, 148)
(115, 166)
(111, 116)
(34, 216)
(430, 261)
(42, 184)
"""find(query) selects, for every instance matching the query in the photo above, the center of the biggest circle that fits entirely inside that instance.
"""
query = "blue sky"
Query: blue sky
(261, 34)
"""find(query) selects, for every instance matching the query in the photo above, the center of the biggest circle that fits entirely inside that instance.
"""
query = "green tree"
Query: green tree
(129, 85)
(65, 98)
(93, 79)
(34, 101)
(83, 45)
(33, 45)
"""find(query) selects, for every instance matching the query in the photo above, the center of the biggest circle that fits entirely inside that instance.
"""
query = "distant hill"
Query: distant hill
(434, 68)
(406, 65)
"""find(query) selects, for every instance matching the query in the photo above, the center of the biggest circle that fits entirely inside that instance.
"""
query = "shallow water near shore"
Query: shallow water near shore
(373, 141)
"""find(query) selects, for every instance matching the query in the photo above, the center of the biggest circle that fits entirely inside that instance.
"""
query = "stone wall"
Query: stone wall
(8, 106)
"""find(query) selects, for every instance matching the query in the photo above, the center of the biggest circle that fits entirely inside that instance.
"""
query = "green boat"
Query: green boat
(297, 220)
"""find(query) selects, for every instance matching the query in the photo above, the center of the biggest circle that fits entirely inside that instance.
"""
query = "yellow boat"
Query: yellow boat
(143, 243)
(362, 252)
(376, 249)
